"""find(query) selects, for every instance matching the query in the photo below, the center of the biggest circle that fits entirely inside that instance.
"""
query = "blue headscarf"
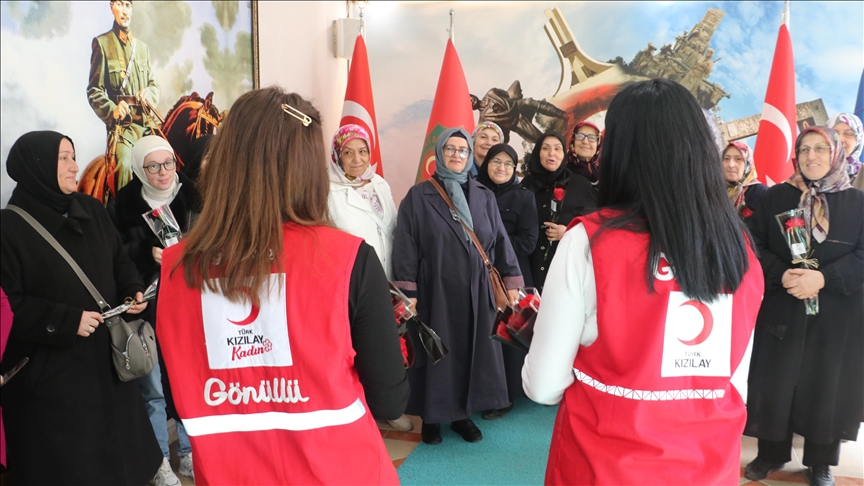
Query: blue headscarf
(453, 180)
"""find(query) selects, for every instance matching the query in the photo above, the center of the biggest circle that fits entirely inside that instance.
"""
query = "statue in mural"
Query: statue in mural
(513, 112)
(120, 87)
(643, 58)
(699, 72)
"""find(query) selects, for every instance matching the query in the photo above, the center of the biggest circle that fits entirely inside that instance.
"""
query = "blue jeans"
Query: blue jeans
(154, 400)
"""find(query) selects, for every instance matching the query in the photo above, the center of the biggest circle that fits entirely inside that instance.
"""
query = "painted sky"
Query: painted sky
(503, 41)
(45, 52)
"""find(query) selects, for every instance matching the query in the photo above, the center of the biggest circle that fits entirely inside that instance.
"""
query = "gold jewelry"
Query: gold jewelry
(303, 117)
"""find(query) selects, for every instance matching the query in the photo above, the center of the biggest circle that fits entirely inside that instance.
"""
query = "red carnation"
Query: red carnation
(746, 212)
(502, 332)
(559, 194)
(404, 350)
(516, 322)
(527, 301)
(156, 213)
(794, 223)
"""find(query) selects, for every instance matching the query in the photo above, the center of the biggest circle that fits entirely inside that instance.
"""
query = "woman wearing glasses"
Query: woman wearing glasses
(156, 183)
(560, 195)
(436, 264)
(583, 153)
(807, 371)
(851, 131)
(519, 215)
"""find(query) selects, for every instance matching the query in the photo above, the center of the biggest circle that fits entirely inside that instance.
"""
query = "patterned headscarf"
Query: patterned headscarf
(589, 169)
(735, 190)
(487, 125)
(345, 134)
(813, 201)
(854, 159)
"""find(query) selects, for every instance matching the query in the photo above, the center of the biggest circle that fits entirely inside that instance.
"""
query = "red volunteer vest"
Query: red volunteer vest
(269, 394)
(652, 402)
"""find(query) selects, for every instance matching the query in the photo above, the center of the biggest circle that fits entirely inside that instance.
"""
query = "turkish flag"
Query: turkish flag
(359, 107)
(451, 109)
(778, 127)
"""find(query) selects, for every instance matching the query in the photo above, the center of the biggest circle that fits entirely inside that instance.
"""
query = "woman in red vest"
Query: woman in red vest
(277, 329)
(649, 309)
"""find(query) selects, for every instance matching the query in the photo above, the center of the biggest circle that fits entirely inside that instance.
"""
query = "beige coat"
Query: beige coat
(353, 215)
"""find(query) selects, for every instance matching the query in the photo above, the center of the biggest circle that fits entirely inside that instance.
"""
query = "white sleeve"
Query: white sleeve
(567, 319)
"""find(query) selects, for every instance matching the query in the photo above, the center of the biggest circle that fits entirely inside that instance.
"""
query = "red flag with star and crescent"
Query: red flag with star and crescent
(450, 109)
(359, 107)
(778, 127)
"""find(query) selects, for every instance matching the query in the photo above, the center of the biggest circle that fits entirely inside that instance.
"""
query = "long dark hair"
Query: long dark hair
(660, 168)
(264, 168)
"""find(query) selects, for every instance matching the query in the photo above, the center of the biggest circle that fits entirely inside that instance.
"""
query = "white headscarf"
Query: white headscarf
(144, 147)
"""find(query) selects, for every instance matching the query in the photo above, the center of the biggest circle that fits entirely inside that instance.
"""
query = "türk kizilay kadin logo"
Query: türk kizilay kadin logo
(240, 335)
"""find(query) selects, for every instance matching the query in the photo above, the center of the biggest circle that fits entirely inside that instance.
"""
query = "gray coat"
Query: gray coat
(432, 257)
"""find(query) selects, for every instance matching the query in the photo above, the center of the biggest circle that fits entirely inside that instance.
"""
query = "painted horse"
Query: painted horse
(191, 118)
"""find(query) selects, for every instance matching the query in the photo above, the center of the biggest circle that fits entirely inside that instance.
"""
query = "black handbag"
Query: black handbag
(133, 344)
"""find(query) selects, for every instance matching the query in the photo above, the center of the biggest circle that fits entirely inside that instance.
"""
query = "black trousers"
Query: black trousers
(814, 454)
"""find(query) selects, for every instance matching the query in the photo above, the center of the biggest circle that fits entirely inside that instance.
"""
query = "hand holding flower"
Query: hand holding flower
(554, 232)
(157, 254)
(803, 283)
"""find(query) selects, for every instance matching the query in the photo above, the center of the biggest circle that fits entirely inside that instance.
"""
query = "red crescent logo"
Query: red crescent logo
(253, 314)
(707, 322)
(429, 160)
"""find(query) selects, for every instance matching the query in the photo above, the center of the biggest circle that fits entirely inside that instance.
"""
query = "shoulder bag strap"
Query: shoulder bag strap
(467, 229)
(53, 242)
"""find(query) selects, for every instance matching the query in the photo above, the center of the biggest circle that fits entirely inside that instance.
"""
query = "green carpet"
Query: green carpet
(514, 450)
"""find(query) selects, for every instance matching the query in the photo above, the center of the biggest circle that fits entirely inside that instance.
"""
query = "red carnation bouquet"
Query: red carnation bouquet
(164, 225)
(795, 232)
(403, 314)
(515, 324)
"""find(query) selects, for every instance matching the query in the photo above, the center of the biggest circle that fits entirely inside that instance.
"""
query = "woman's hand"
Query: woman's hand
(89, 322)
(554, 232)
(140, 306)
(803, 283)
(513, 295)
(157, 254)
(413, 304)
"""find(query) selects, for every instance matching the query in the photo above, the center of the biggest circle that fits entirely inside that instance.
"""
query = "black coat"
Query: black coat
(519, 215)
(807, 372)
(68, 418)
(139, 239)
(580, 198)
(753, 198)
(454, 297)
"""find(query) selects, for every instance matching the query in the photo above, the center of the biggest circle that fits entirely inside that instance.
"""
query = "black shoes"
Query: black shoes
(431, 433)
(821, 476)
(759, 469)
(496, 413)
(467, 429)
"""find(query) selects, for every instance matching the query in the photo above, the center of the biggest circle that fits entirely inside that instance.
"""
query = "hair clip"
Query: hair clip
(303, 117)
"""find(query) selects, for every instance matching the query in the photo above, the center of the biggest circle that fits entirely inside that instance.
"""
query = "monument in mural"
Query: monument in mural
(587, 85)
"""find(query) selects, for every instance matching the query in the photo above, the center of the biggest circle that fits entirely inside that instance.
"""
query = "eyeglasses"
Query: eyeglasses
(498, 163)
(450, 151)
(848, 134)
(820, 149)
(155, 168)
(582, 136)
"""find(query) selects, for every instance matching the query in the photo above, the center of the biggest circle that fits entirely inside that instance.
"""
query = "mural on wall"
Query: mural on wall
(533, 67)
(112, 72)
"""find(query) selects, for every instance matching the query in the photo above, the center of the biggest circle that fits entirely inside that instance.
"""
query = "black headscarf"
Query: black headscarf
(193, 157)
(539, 176)
(483, 173)
(32, 163)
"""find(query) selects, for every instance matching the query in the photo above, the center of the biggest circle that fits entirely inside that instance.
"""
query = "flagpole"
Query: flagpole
(786, 14)
(452, 31)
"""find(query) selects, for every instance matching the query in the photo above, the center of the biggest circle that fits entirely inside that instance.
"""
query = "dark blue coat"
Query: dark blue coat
(519, 215)
(432, 257)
